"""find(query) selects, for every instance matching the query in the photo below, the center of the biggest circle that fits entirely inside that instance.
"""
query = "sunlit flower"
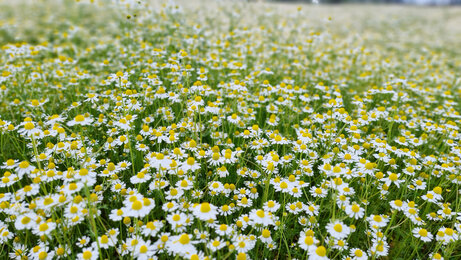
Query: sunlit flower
(422, 234)
(338, 230)
(205, 211)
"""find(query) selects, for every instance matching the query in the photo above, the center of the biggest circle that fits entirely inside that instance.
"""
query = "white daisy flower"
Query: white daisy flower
(338, 230)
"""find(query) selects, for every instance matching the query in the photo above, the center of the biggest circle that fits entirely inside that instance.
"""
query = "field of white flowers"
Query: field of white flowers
(229, 130)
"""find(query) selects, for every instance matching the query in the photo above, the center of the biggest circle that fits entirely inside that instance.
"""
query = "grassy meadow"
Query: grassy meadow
(229, 130)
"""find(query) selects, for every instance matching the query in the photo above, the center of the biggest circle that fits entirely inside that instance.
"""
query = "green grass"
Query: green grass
(292, 102)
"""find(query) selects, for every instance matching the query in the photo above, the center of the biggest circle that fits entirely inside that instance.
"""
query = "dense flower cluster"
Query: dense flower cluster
(171, 131)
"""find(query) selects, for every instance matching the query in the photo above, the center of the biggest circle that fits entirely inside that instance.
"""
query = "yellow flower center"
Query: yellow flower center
(393, 177)
(42, 255)
(137, 205)
(205, 207)
(338, 228)
(83, 172)
(184, 239)
(369, 165)
(266, 233)
(80, 118)
(260, 213)
(355, 208)
(29, 126)
(87, 255)
(190, 161)
(25, 220)
(24, 165)
(422, 232)
(43, 227)
(321, 251)
(73, 209)
(309, 240)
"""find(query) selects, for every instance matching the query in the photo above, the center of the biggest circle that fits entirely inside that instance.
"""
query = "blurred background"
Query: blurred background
(407, 2)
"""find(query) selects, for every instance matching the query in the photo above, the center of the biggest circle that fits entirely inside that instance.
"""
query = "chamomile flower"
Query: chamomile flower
(152, 228)
(44, 228)
(378, 220)
(138, 207)
(271, 206)
(29, 128)
(216, 244)
(83, 241)
(181, 244)
(355, 211)
(357, 254)
(422, 234)
(243, 243)
(307, 241)
(88, 253)
(140, 177)
(41, 251)
(243, 136)
(318, 253)
(338, 230)
(260, 217)
(190, 165)
(82, 120)
(144, 250)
